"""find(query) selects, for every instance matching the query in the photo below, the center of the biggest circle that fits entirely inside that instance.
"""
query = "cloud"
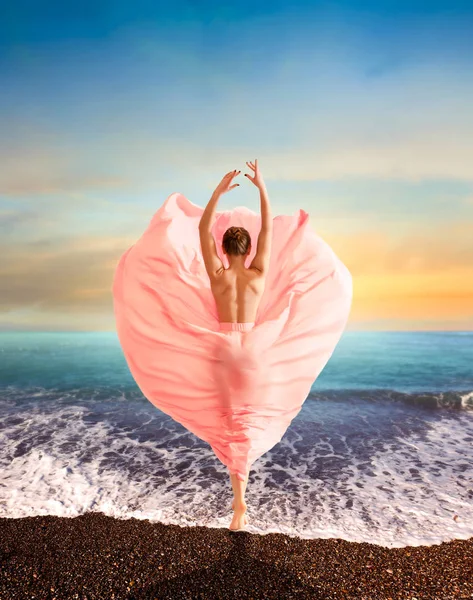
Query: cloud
(148, 163)
(393, 252)
(67, 276)
(31, 167)
(63, 280)
(408, 160)
(312, 115)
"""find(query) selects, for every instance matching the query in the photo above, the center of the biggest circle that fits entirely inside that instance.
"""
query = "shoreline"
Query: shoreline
(97, 556)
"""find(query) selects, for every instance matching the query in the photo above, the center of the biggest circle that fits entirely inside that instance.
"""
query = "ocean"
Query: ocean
(381, 452)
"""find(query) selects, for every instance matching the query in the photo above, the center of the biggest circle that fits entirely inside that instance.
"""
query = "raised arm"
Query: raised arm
(262, 257)
(213, 264)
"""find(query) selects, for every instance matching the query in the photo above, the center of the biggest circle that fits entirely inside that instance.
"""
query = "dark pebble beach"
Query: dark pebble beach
(95, 556)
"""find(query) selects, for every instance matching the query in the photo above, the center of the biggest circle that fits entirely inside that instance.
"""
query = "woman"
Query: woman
(238, 289)
(230, 351)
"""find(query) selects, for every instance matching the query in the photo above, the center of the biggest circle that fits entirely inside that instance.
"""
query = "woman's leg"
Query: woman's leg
(239, 505)
(239, 489)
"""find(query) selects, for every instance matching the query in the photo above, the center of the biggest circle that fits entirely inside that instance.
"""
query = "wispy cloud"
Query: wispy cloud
(364, 119)
(65, 276)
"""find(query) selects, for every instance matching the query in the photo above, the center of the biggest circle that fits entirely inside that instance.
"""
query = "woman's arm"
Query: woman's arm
(212, 261)
(263, 247)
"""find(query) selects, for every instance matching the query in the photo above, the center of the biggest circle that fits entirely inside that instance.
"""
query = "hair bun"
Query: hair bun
(236, 240)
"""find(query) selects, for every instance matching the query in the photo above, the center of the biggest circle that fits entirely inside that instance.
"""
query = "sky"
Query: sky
(358, 112)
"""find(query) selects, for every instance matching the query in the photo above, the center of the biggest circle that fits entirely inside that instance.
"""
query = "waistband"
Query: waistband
(235, 326)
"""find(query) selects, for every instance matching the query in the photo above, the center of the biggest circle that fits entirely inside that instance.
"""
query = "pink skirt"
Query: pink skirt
(235, 385)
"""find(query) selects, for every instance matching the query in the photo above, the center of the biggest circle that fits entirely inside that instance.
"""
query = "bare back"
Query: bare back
(237, 293)
(238, 290)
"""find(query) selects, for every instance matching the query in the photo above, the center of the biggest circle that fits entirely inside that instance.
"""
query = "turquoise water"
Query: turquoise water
(402, 361)
(382, 450)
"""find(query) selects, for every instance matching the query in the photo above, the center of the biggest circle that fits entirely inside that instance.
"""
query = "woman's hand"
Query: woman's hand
(224, 186)
(258, 178)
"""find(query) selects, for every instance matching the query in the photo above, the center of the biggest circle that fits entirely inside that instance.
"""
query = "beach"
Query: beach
(94, 556)
(367, 496)
(380, 452)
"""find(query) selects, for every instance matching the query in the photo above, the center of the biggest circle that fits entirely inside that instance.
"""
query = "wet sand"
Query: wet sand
(94, 556)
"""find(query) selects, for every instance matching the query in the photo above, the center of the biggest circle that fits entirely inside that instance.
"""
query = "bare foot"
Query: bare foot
(239, 517)
(233, 508)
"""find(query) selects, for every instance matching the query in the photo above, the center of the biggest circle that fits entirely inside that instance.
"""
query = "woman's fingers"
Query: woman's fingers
(250, 164)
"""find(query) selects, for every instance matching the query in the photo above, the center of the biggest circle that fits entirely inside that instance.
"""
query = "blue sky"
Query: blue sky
(358, 112)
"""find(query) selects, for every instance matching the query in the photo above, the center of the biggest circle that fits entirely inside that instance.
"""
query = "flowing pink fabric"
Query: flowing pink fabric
(239, 385)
